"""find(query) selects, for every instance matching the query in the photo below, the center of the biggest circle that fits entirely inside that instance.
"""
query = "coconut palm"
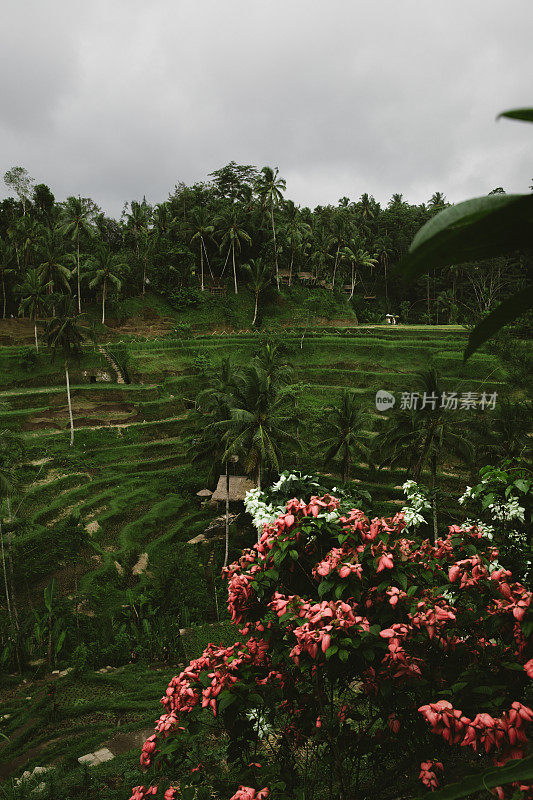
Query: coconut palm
(65, 334)
(426, 435)
(358, 259)
(257, 277)
(270, 189)
(105, 268)
(52, 271)
(296, 230)
(345, 426)
(5, 270)
(76, 220)
(232, 234)
(137, 222)
(33, 298)
(202, 231)
(258, 424)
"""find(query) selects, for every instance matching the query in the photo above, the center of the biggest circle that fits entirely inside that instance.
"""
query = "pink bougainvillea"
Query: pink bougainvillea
(359, 639)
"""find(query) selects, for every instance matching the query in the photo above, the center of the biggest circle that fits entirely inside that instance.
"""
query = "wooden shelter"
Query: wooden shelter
(238, 486)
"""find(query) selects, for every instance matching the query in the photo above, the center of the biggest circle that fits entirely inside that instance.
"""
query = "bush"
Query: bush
(372, 660)
(29, 359)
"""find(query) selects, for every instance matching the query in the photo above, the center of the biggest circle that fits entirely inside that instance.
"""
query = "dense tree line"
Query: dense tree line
(237, 228)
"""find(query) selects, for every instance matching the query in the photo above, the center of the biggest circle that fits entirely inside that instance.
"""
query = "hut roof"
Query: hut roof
(305, 275)
(204, 493)
(238, 486)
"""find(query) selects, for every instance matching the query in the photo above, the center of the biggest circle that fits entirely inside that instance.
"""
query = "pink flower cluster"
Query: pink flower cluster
(428, 775)
(139, 792)
(432, 618)
(247, 793)
(507, 731)
(335, 561)
(323, 619)
(369, 531)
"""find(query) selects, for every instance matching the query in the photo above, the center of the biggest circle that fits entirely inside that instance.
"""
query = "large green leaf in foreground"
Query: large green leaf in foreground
(484, 227)
(524, 114)
(521, 771)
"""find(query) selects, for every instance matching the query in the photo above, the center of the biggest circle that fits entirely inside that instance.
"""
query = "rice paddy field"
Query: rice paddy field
(129, 486)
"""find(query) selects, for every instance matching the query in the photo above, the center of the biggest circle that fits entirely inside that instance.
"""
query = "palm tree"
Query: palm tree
(383, 248)
(336, 239)
(75, 220)
(65, 333)
(106, 267)
(320, 251)
(232, 235)
(270, 189)
(425, 435)
(258, 422)
(437, 201)
(51, 271)
(258, 277)
(34, 298)
(137, 222)
(345, 425)
(358, 258)
(5, 261)
(296, 230)
(202, 231)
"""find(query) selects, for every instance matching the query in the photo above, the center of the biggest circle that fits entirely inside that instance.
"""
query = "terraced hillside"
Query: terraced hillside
(129, 485)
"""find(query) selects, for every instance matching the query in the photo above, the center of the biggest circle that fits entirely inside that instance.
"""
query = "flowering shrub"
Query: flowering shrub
(367, 658)
(503, 498)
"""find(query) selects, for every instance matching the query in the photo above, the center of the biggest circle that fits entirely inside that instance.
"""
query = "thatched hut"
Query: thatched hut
(238, 486)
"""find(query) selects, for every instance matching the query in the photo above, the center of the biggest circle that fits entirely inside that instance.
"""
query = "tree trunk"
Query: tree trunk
(4, 295)
(6, 585)
(226, 553)
(78, 259)
(69, 405)
(335, 267)
(35, 331)
(353, 283)
(255, 312)
(274, 238)
(434, 498)
(386, 287)
(144, 274)
(103, 300)
(234, 267)
(201, 266)
(290, 266)
(11, 570)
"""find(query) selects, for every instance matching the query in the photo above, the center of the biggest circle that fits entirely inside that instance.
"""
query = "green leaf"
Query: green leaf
(343, 655)
(484, 227)
(324, 587)
(338, 591)
(506, 312)
(522, 485)
(332, 649)
(520, 770)
(524, 114)
(402, 580)
(294, 554)
(513, 665)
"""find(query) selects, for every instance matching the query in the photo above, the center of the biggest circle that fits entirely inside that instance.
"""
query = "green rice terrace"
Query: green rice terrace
(115, 524)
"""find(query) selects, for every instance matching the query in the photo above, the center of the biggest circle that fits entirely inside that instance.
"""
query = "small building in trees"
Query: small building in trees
(238, 486)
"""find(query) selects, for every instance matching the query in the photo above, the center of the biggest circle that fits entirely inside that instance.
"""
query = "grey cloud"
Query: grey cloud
(116, 100)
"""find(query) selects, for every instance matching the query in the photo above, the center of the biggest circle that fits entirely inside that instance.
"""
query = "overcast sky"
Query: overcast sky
(114, 99)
